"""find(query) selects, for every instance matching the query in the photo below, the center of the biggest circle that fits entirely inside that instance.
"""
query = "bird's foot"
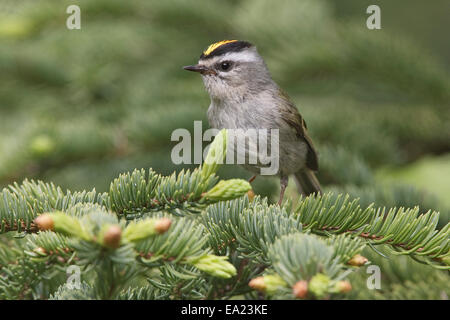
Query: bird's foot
(283, 184)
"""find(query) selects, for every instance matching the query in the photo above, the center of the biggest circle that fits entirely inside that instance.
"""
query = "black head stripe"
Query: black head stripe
(228, 47)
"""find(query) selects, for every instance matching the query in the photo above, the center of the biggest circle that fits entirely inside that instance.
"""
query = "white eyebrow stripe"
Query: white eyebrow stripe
(243, 56)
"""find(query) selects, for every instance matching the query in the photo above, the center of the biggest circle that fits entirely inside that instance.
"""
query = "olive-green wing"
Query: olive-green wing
(293, 118)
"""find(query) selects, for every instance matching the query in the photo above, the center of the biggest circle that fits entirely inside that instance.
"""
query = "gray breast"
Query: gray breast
(292, 151)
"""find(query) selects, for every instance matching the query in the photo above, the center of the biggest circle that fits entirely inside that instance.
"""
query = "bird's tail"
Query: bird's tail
(307, 182)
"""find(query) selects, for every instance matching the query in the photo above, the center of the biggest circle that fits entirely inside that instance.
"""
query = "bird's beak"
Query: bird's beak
(197, 68)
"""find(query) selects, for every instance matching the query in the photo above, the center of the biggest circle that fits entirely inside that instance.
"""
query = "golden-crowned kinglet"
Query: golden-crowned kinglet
(244, 96)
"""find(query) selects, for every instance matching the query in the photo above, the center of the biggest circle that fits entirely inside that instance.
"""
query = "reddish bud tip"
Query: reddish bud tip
(162, 225)
(300, 289)
(40, 250)
(44, 222)
(357, 261)
(257, 284)
(344, 286)
(112, 237)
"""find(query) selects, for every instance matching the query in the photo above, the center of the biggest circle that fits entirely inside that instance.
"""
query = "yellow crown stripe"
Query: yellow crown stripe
(214, 46)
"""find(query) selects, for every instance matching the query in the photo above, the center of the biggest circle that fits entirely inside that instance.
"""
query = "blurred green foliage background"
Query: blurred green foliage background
(78, 107)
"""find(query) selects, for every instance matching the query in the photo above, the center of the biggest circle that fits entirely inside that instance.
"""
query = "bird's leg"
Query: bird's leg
(283, 184)
(252, 179)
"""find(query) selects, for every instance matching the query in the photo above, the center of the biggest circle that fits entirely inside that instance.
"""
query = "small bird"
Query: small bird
(244, 96)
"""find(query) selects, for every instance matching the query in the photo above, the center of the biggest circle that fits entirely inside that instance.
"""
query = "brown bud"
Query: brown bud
(257, 284)
(40, 251)
(357, 261)
(344, 286)
(250, 195)
(44, 222)
(300, 289)
(162, 225)
(112, 237)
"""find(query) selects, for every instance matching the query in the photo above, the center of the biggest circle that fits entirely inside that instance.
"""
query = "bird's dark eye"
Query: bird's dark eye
(225, 66)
